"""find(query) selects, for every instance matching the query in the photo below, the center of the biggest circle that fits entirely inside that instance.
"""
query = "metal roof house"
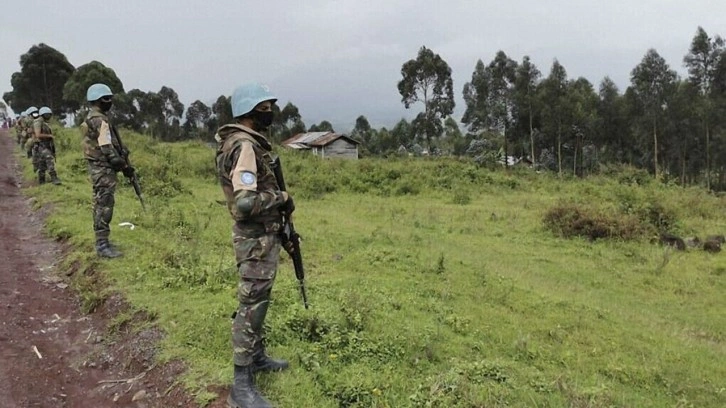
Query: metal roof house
(325, 144)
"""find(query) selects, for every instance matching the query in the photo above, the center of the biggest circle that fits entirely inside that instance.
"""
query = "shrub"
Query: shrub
(571, 220)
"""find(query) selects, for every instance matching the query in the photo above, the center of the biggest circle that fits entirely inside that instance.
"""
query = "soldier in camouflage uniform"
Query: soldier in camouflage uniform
(29, 142)
(19, 133)
(244, 160)
(105, 158)
(44, 153)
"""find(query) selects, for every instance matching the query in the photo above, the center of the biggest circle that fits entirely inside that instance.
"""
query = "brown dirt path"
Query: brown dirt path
(51, 354)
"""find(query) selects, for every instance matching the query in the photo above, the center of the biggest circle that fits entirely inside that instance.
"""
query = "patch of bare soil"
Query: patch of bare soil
(52, 354)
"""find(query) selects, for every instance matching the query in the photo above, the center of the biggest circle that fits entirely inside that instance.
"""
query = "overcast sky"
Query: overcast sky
(337, 60)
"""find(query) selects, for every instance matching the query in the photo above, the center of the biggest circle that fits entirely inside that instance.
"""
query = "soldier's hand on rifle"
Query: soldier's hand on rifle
(128, 171)
(289, 205)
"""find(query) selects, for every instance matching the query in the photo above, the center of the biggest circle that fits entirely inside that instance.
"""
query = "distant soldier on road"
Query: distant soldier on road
(19, 133)
(44, 153)
(105, 158)
(254, 199)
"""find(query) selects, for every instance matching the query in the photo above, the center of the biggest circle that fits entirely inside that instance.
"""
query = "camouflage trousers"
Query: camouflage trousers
(43, 156)
(104, 182)
(257, 259)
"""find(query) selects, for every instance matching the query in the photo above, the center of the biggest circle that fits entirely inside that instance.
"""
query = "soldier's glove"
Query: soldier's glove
(128, 171)
(289, 205)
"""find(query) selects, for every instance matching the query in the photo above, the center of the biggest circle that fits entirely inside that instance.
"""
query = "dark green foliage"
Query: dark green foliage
(427, 79)
(74, 90)
(43, 73)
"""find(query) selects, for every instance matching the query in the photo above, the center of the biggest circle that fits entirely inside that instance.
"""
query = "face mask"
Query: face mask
(105, 106)
(46, 116)
(35, 114)
(262, 119)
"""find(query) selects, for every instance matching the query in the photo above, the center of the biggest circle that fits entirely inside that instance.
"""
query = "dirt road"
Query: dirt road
(52, 355)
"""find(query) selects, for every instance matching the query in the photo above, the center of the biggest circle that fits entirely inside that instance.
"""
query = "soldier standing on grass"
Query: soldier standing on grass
(105, 158)
(45, 150)
(29, 140)
(254, 199)
(19, 128)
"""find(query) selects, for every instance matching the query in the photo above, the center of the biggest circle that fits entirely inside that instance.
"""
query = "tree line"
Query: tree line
(673, 127)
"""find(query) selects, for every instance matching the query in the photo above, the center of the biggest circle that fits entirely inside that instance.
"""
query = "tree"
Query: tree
(323, 126)
(126, 108)
(427, 79)
(222, 110)
(525, 95)
(612, 124)
(582, 102)
(702, 61)
(287, 122)
(653, 83)
(362, 130)
(402, 134)
(43, 72)
(554, 100)
(74, 90)
(490, 97)
(197, 117)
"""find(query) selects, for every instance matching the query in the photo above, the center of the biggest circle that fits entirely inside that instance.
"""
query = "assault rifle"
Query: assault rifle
(133, 179)
(290, 237)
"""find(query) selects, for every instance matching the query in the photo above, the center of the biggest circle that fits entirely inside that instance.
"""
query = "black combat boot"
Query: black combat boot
(105, 250)
(244, 394)
(262, 362)
(41, 178)
(54, 179)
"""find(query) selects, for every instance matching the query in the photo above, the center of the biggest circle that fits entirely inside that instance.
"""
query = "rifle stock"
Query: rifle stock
(290, 237)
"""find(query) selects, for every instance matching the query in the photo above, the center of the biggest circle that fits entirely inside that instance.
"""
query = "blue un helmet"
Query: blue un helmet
(246, 97)
(31, 110)
(97, 91)
(45, 110)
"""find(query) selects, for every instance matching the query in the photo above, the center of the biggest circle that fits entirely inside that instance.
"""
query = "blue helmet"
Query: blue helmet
(97, 91)
(247, 96)
(45, 110)
(31, 110)
(24, 113)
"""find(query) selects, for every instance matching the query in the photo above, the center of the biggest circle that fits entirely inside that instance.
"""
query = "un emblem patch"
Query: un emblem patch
(248, 178)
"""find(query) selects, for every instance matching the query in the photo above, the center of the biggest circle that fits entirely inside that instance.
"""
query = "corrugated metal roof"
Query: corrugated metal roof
(315, 139)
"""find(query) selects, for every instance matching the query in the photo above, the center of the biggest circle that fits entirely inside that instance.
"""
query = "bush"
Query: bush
(571, 220)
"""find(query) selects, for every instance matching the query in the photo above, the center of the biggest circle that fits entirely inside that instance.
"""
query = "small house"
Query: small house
(325, 144)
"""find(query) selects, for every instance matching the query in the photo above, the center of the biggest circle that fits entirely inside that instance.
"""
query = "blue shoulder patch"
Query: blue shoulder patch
(248, 178)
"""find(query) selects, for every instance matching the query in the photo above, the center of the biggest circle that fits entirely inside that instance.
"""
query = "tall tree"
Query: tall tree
(197, 117)
(402, 134)
(525, 89)
(362, 130)
(222, 109)
(74, 90)
(612, 124)
(555, 111)
(582, 103)
(427, 79)
(490, 97)
(653, 83)
(43, 72)
(702, 60)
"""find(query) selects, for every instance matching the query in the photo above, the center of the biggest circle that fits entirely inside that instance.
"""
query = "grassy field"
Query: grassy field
(432, 283)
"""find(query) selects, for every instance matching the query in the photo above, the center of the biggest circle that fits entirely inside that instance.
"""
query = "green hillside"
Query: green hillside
(432, 282)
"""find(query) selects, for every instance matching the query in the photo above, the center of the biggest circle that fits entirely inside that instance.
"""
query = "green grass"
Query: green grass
(432, 283)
